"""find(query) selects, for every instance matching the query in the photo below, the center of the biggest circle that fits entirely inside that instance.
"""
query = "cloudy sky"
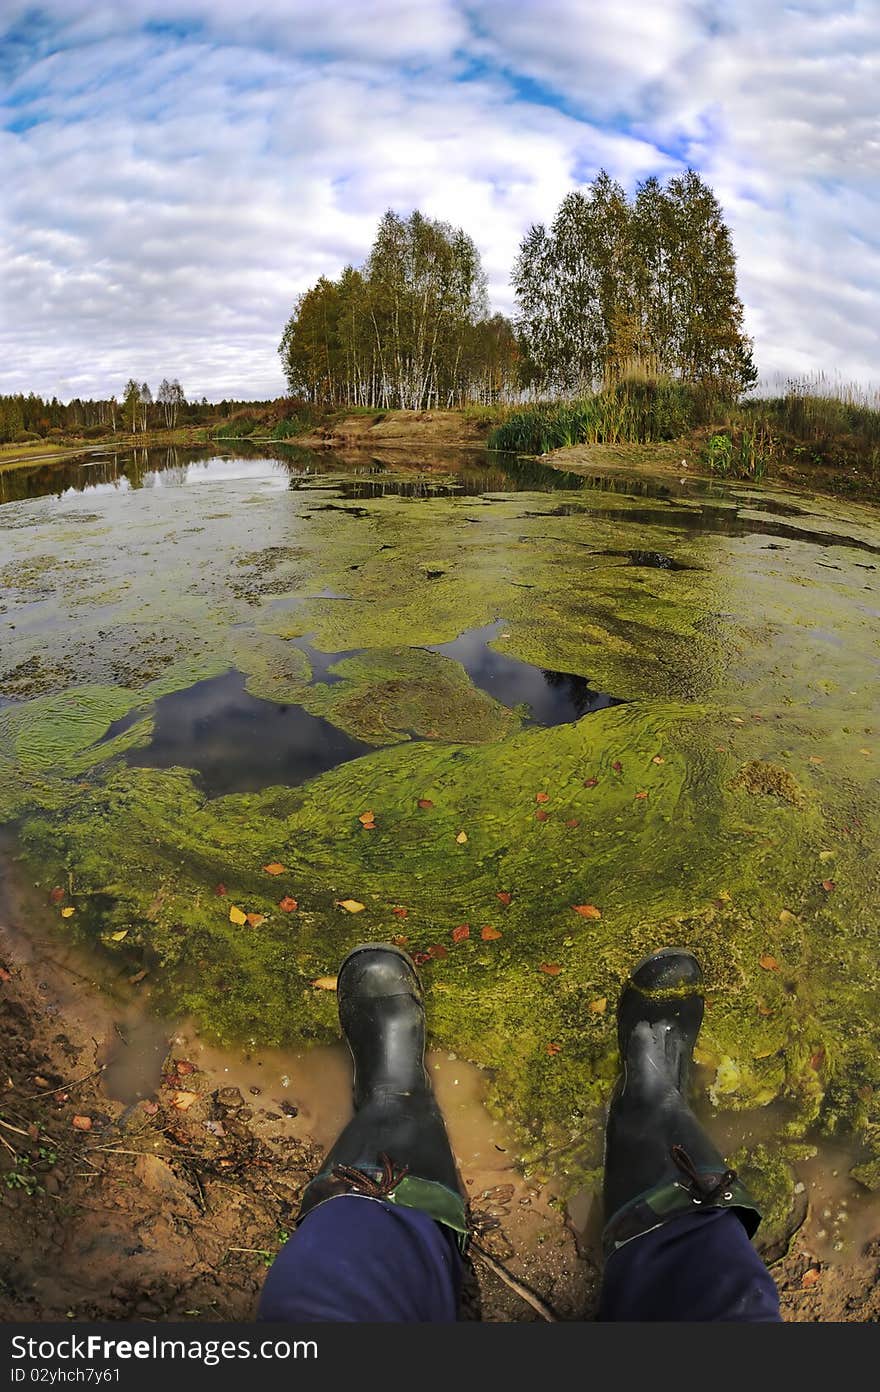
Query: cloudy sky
(175, 172)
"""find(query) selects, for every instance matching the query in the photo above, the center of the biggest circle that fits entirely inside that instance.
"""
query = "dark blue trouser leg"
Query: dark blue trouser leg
(700, 1266)
(359, 1260)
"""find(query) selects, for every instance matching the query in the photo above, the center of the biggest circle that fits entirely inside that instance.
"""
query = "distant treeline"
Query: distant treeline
(31, 417)
(614, 286)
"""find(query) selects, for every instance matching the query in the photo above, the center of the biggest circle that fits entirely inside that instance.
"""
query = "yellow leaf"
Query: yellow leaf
(68, 912)
(461, 838)
(597, 1007)
(325, 983)
(814, 759)
(351, 905)
(236, 915)
(724, 895)
(183, 1100)
(274, 868)
(117, 937)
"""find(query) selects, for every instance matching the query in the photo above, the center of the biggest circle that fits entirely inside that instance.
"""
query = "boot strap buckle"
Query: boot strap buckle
(709, 1188)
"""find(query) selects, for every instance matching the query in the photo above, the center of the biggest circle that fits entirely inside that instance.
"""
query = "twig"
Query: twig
(17, 1129)
(62, 1087)
(516, 1286)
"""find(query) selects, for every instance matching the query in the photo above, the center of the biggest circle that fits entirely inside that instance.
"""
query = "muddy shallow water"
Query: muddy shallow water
(551, 691)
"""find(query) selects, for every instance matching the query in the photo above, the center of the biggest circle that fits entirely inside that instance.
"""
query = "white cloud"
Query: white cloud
(169, 190)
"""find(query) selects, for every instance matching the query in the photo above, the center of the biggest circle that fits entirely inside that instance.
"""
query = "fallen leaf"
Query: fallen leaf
(489, 934)
(351, 905)
(541, 815)
(151, 1108)
(438, 952)
(542, 797)
(461, 933)
(573, 822)
(503, 895)
(182, 1101)
(587, 910)
(617, 766)
(828, 885)
(255, 919)
(81, 1123)
(401, 940)
(237, 915)
(221, 889)
(400, 913)
(867, 752)
(367, 819)
(183, 1067)
(554, 1049)
(658, 759)
(817, 1059)
(825, 856)
(420, 958)
(590, 782)
(325, 983)
(56, 895)
(287, 904)
(737, 720)
(724, 896)
(138, 977)
(814, 759)
(643, 794)
(5, 975)
(461, 838)
(597, 1007)
(117, 937)
(274, 868)
(768, 963)
(764, 1009)
(550, 968)
(425, 803)
(810, 1278)
(68, 912)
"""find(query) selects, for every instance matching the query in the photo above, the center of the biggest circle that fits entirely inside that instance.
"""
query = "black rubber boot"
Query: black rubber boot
(659, 1162)
(395, 1147)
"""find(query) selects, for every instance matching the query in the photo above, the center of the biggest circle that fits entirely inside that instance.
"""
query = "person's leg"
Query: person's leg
(678, 1221)
(404, 1224)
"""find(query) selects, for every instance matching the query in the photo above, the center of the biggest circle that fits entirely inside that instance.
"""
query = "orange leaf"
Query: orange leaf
(617, 766)
(255, 919)
(597, 1007)
(183, 1066)
(274, 868)
(425, 803)
(658, 759)
(5, 975)
(138, 977)
(367, 819)
(81, 1123)
(438, 952)
(554, 1049)
(572, 822)
(325, 983)
(401, 940)
(768, 963)
(817, 1059)
(542, 797)
(550, 968)
(489, 934)
(400, 913)
(287, 904)
(590, 782)
(810, 1278)
(461, 933)
(503, 895)
(641, 795)
(56, 895)
(541, 815)
(587, 910)
(828, 885)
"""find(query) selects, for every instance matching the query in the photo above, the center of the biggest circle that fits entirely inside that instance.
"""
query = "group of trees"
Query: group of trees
(648, 284)
(137, 400)
(31, 415)
(614, 286)
(409, 330)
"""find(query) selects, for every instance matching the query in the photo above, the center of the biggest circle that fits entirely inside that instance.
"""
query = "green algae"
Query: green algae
(764, 792)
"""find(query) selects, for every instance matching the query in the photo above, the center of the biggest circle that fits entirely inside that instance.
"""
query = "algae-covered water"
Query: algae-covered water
(589, 717)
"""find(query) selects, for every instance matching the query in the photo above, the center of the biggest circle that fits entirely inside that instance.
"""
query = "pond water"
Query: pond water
(651, 696)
